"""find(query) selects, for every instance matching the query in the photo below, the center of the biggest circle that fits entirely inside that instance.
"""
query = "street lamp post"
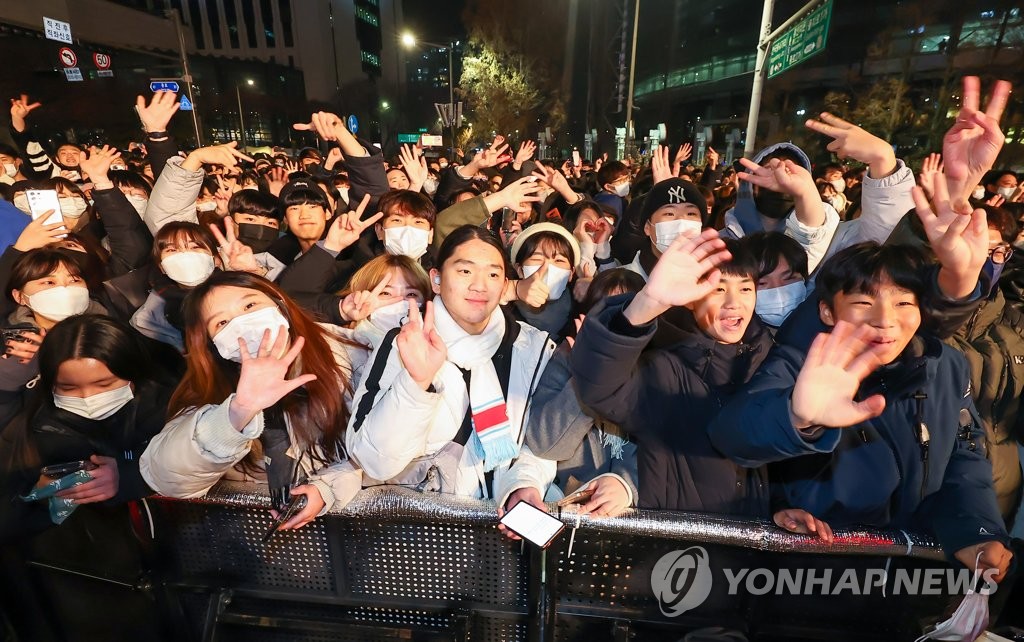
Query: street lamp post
(410, 41)
(241, 117)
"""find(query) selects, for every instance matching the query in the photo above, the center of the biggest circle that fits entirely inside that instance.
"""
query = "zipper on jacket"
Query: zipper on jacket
(924, 437)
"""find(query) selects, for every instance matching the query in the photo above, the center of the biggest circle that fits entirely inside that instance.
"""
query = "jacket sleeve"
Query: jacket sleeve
(366, 175)
(396, 428)
(471, 211)
(884, 201)
(174, 196)
(130, 241)
(312, 272)
(611, 373)
(754, 428)
(557, 423)
(626, 470)
(449, 182)
(946, 316)
(195, 450)
(39, 165)
(338, 484)
(528, 471)
(815, 240)
(965, 512)
(159, 153)
(9, 257)
(711, 177)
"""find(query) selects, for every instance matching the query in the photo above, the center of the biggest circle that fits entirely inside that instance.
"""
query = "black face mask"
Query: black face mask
(258, 237)
(774, 205)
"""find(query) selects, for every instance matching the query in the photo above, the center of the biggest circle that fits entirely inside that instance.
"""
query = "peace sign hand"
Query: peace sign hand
(234, 254)
(960, 241)
(853, 142)
(826, 388)
(347, 228)
(20, 109)
(262, 382)
(779, 176)
(421, 348)
(971, 145)
(360, 305)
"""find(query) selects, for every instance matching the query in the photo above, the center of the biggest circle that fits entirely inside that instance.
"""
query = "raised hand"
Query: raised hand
(779, 176)
(711, 158)
(222, 155)
(420, 346)
(234, 254)
(850, 141)
(686, 272)
(360, 305)
(960, 241)
(25, 348)
(931, 166)
(682, 155)
(524, 190)
(102, 486)
(262, 382)
(555, 179)
(347, 228)
(492, 155)
(826, 388)
(20, 109)
(526, 151)
(326, 125)
(157, 114)
(277, 178)
(36, 234)
(799, 521)
(659, 164)
(610, 498)
(223, 195)
(334, 156)
(415, 166)
(971, 145)
(96, 164)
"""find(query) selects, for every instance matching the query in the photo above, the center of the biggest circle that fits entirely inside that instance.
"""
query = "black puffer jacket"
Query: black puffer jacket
(665, 399)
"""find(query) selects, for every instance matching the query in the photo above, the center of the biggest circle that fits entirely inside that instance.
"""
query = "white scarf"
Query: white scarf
(473, 352)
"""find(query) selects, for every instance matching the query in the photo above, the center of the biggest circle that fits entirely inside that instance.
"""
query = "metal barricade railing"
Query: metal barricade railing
(396, 563)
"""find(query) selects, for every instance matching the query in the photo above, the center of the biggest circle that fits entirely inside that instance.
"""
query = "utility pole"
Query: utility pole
(241, 118)
(763, 46)
(186, 74)
(632, 78)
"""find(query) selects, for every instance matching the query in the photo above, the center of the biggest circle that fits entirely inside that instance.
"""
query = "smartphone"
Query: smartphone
(16, 332)
(56, 471)
(508, 215)
(42, 200)
(297, 503)
(532, 524)
(579, 497)
(576, 158)
(1016, 194)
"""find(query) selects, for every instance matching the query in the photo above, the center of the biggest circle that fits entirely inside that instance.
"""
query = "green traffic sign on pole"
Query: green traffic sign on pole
(409, 138)
(801, 41)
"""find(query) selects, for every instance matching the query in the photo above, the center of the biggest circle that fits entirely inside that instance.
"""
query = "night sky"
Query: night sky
(435, 20)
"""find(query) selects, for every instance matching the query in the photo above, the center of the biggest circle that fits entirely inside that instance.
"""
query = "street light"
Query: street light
(410, 41)
(385, 105)
(241, 119)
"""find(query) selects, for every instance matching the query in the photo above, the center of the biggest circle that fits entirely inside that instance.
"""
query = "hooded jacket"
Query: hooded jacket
(884, 202)
(665, 399)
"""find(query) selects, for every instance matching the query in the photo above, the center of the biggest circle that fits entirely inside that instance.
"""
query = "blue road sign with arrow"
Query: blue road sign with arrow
(186, 104)
(353, 124)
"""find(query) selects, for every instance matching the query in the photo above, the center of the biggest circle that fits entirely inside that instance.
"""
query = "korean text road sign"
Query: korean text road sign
(56, 30)
(73, 74)
(163, 85)
(801, 41)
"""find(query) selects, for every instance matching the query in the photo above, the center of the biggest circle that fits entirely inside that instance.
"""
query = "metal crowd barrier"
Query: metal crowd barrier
(398, 564)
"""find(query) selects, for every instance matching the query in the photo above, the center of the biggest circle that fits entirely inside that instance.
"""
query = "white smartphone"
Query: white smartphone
(532, 524)
(576, 158)
(41, 201)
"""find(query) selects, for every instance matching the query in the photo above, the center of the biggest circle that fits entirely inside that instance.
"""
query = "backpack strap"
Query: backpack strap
(372, 380)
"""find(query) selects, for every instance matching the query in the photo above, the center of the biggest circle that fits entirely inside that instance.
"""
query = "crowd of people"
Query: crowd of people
(821, 345)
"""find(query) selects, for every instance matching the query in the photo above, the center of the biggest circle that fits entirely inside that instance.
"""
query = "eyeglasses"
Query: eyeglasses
(1001, 253)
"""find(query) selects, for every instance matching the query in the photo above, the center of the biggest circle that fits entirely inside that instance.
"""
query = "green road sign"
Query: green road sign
(409, 138)
(801, 41)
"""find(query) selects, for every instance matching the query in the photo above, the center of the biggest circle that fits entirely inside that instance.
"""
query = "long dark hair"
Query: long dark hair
(317, 412)
(465, 234)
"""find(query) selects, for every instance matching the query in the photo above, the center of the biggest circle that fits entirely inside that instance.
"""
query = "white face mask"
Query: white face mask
(10, 169)
(556, 278)
(430, 186)
(59, 303)
(390, 316)
(622, 190)
(249, 327)
(207, 206)
(978, 193)
(72, 206)
(774, 304)
(668, 231)
(970, 619)
(1006, 192)
(406, 241)
(99, 406)
(839, 185)
(138, 202)
(21, 202)
(188, 268)
(838, 202)
(343, 192)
